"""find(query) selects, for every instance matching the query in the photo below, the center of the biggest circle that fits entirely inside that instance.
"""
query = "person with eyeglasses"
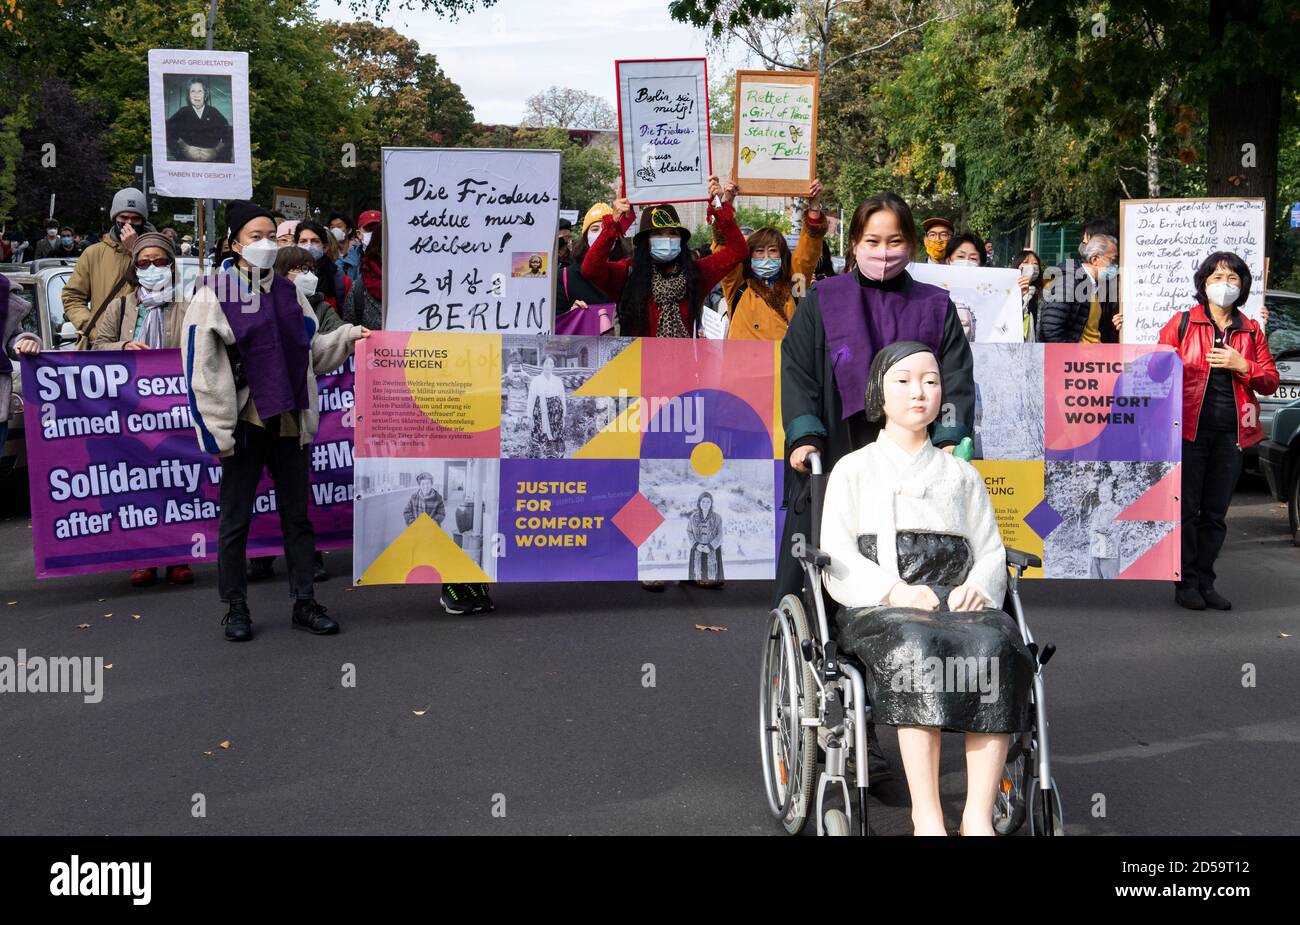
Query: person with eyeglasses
(937, 232)
(1080, 306)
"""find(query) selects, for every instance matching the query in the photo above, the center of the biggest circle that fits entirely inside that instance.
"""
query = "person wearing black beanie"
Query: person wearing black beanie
(251, 349)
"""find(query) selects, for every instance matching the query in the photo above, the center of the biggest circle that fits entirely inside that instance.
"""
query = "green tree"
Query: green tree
(587, 172)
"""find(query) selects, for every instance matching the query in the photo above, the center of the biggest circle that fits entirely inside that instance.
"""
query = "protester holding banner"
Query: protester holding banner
(100, 273)
(251, 377)
(662, 271)
(762, 293)
(1226, 363)
(148, 316)
(14, 341)
(1031, 291)
(1079, 306)
(332, 284)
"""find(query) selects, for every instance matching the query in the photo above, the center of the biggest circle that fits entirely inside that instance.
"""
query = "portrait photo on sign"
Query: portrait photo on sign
(541, 418)
(529, 264)
(408, 510)
(1094, 538)
(200, 112)
(1009, 422)
(715, 527)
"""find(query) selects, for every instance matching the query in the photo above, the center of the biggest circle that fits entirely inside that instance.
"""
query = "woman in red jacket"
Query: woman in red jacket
(662, 270)
(1226, 361)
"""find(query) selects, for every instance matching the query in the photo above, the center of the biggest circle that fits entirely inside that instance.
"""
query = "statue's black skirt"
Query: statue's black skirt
(967, 672)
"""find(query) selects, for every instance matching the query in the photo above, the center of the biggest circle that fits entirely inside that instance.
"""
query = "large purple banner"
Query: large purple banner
(117, 476)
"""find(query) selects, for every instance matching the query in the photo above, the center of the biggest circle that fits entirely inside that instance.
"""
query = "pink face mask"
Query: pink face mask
(881, 263)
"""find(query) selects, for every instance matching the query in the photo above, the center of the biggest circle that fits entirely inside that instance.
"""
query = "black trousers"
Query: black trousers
(258, 448)
(1211, 464)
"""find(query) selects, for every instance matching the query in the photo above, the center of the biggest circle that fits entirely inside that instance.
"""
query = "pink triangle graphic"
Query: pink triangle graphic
(1160, 501)
(1162, 562)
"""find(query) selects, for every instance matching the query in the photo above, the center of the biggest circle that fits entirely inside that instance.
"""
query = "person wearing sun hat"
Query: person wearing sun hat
(661, 287)
(251, 350)
(573, 288)
(936, 232)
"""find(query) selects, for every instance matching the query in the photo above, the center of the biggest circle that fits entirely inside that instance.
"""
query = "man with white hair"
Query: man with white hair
(1080, 304)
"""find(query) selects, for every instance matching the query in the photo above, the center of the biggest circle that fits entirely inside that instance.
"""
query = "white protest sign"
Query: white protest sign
(663, 122)
(1163, 241)
(775, 149)
(198, 109)
(469, 239)
(987, 299)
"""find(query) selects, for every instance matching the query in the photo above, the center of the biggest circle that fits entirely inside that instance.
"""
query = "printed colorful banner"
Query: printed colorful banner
(515, 458)
(987, 299)
(469, 239)
(1080, 448)
(117, 477)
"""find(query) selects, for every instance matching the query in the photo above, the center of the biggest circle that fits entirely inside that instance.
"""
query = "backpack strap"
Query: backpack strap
(737, 296)
(1182, 325)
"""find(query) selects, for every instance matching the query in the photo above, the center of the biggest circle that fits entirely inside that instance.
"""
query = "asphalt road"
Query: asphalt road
(539, 709)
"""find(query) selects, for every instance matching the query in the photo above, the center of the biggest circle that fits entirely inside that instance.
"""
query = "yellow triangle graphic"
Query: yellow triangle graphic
(423, 543)
(619, 440)
(622, 373)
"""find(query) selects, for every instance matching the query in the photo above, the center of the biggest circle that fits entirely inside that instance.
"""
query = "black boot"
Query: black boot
(1215, 599)
(238, 622)
(310, 616)
(1189, 598)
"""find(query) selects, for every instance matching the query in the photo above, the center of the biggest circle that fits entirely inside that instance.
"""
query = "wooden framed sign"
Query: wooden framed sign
(775, 150)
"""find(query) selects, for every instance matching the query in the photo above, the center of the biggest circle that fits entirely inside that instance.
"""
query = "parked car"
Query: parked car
(1279, 458)
(42, 282)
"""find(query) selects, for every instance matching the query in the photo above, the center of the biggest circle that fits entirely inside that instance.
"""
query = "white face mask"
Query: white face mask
(306, 283)
(365, 239)
(339, 234)
(1223, 295)
(592, 235)
(260, 254)
(153, 277)
(965, 262)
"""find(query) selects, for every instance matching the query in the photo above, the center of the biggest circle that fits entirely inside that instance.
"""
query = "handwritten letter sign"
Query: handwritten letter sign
(664, 129)
(1163, 241)
(776, 132)
(469, 239)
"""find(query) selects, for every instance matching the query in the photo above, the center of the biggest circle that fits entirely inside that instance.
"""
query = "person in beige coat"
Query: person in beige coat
(99, 275)
(250, 349)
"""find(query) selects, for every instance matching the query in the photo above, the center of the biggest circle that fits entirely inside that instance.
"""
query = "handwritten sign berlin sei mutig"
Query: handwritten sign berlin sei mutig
(663, 123)
(1163, 241)
(469, 239)
(776, 132)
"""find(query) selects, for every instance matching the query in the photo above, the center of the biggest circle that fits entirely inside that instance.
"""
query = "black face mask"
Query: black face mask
(138, 226)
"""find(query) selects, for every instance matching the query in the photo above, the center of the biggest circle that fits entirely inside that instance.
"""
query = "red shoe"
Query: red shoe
(144, 577)
(180, 575)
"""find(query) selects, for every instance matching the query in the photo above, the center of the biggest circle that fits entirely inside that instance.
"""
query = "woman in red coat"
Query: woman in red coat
(662, 270)
(1226, 362)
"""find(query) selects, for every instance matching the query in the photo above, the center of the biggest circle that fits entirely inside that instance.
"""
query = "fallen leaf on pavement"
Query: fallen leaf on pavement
(109, 665)
(1284, 635)
(710, 629)
(11, 603)
(209, 754)
(108, 614)
(135, 616)
(83, 626)
(101, 599)
(420, 712)
(225, 743)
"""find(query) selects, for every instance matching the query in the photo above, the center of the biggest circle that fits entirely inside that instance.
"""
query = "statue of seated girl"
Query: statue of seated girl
(920, 571)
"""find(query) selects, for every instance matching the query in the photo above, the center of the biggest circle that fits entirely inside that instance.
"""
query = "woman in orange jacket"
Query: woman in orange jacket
(762, 292)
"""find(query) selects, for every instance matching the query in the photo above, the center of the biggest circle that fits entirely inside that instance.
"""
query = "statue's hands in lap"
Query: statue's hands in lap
(919, 597)
(965, 597)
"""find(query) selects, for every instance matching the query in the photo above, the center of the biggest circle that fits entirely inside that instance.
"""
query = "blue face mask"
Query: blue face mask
(765, 267)
(1109, 272)
(665, 249)
(67, 242)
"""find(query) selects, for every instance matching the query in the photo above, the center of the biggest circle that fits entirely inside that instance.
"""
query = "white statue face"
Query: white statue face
(913, 391)
(1105, 492)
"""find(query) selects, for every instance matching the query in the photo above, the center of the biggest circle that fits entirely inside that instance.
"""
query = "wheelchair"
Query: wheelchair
(814, 713)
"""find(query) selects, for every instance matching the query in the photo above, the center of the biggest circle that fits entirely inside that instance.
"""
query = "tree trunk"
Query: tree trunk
(1241, 157)
(1153, 139)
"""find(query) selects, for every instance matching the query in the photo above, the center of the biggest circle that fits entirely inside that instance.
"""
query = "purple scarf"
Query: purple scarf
(273, 343)
(6, 365)
(860, 320)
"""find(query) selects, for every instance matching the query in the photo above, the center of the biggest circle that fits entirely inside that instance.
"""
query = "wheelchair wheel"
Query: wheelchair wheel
(788, 747)
(1045, 811)
(835, 822)
(1009, 806)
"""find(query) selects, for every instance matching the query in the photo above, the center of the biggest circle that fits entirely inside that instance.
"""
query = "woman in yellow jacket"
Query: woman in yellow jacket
(761, 293)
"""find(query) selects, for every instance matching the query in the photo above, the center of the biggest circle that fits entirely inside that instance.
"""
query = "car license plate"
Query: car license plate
(1286, 393)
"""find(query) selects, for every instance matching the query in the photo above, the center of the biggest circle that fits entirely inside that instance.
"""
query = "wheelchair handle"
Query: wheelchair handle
(814, 461)
(817, 490)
